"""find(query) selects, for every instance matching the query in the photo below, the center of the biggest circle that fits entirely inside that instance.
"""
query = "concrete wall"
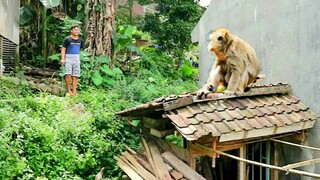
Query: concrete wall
(286, 37)
(9, 19)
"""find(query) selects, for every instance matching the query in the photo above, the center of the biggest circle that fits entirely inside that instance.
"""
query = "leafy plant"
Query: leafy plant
(96, 71)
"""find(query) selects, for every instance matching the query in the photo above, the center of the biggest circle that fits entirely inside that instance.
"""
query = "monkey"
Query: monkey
(236, 64)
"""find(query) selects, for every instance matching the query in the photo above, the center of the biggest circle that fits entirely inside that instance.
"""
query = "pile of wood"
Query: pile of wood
(154, 164)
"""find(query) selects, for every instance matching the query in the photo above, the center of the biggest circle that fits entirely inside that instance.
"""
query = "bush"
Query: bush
(46, 136)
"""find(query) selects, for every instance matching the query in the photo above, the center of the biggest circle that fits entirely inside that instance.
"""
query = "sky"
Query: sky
(204, 2)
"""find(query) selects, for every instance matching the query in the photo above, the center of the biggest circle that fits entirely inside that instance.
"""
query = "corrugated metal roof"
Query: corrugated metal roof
(232, 118)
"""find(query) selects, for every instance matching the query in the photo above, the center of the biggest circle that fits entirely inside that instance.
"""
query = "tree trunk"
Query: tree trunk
(44, 39)
(99, 26)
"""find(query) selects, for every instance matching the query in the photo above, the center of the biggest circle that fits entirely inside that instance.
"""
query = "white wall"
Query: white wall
(9, 19)
(286, 37)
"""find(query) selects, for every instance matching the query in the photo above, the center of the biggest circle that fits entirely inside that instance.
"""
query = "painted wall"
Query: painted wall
(286, 37)
(9, 19)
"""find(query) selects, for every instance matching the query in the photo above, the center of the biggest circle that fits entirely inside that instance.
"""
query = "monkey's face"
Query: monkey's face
(218, 40)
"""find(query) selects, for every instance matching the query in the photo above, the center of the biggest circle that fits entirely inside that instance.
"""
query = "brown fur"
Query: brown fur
(236, 64)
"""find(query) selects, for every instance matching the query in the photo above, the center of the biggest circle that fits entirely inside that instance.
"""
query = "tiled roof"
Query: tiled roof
(265, 110)
(232, 119)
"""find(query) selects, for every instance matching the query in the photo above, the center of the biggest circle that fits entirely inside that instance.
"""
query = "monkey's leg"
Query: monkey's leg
(233, 84)
(212, 83)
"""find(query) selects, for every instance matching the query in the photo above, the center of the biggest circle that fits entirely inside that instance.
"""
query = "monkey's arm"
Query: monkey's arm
(212, 83)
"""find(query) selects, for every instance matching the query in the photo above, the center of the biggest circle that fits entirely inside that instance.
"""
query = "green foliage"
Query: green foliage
(178, 140)
(59, 28)
(27, 14)
(187, 71)
(172, 24)
(51, 137)
(96, 71)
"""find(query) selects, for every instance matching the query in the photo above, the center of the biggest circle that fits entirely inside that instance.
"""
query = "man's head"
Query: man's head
(75, 30)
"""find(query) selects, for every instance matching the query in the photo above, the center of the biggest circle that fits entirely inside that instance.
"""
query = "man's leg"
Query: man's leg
(68, 79)
(74, 84)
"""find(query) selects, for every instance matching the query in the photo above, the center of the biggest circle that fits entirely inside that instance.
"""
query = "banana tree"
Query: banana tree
(50, 3)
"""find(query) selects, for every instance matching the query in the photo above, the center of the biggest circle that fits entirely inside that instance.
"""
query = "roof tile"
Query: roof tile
(218, 117)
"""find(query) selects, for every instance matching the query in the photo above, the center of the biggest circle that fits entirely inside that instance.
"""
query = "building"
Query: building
(285, 36)
(221, 132)
(9, 31)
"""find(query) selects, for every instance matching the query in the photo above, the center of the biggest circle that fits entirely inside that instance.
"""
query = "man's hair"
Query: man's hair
(74, 26)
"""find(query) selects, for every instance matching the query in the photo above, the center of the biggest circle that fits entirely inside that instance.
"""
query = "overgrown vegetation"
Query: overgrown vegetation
(43, 136)
(73, 137)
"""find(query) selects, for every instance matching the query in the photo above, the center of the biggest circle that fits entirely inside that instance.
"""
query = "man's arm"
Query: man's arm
(63, 55)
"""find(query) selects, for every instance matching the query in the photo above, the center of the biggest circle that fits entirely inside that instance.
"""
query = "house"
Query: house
(225, 131)
(285, 37)
(9, 32)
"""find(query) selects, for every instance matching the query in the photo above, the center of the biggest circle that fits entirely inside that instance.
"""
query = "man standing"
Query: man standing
(70, 58)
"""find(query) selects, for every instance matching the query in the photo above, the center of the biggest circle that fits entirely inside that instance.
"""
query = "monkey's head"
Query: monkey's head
(219, 40)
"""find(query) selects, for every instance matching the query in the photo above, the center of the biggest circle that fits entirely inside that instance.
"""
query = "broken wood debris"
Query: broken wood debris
(155, 164)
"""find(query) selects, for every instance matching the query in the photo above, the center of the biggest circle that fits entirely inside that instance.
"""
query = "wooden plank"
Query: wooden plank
(149, 156)
(178, 151)
(254, 91)
(160, 166)
(242, 165)
(276, 161)
(128, 170)
(161, 134)
(181, 166)
(176, 175)
(177, 103)
(138, 168)
(159, 124)
(202, 151)
(130, 150)
(169, 167)
(145, 164)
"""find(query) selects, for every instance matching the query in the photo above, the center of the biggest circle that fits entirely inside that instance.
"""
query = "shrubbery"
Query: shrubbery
(45, 136)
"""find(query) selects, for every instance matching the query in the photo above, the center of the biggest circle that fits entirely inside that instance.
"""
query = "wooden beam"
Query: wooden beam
(180, 166)
(176, 175)
(202, 150)
(149, 156)
(161, 134)
(254, 91)
(180, 152)
(187, 100)
(241, 165)
(192, 155)
(160, 166)
(138, 168)
(145, 164)
(159, 124)
(128, 170)
(276, 161)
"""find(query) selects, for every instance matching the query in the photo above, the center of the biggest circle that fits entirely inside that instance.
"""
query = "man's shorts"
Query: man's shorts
(72, 65)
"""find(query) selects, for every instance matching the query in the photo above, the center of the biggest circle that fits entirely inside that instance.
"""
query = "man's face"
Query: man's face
(75, 31)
